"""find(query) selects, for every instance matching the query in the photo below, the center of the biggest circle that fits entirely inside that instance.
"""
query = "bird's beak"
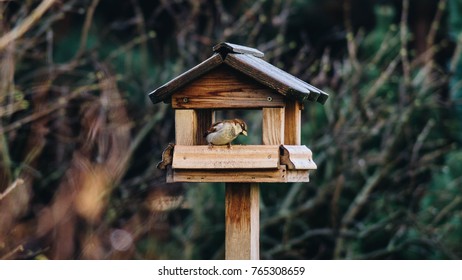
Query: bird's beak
(244, 132)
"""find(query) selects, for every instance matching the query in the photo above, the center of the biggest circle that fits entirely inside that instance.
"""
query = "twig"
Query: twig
(358, 203)
(291, 195)
(430, 40)
(16, 183)
(456, 56)
(436, 24)
(351, 44)
(27, 24)
(146, 129)
(363, 196)
(328, 232)
(334, 205)
(308, 206)
(86, 27)
(404, 34)
(422, 58)
(20, 248)
(239, 23)
(432, 240)
(11, 109)
(124, 48)
(299, 239)
(381, 80)
(388, 41)
(60, 103)
(420, 139)
(379, 226)
(141, 26)
(446, 210)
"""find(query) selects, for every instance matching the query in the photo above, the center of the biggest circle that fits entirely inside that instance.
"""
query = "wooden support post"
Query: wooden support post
(184, 127)
(190, 126)
(292, 119)
(242, 221)
(273, 126)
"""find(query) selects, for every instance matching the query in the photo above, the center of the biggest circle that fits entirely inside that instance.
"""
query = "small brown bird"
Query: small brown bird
(167, 157)
(224, 132)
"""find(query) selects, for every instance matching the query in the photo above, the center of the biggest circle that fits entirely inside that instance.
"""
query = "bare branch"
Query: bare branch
(16, 183)
(26, 25)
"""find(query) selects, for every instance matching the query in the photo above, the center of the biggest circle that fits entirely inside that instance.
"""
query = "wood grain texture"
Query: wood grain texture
(297, 158)
(275, 78)
(185, 124)
(164, 92)
(204, 119)
(298, 176)
(273, 126)
(293, 126)
(225, 48)
(237, 176)
(280, 175)
(190, 126)
(222, 157)
(225, 88)
(242, 222)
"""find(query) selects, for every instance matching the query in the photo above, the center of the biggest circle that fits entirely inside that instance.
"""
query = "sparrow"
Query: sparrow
(224, 132)
(167, 157)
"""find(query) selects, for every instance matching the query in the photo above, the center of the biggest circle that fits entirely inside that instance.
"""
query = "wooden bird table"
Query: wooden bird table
(236, 77)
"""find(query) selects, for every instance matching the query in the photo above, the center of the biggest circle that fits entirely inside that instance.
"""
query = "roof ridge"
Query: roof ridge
(224, 48)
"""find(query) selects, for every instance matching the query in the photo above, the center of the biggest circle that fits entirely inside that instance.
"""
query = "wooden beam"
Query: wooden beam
(273, 126)
(229, 175)
(292, 119)
(190, 126)
(164, 92)
(222, 157)
(275, 78)
(225, 88)
(184, 127)
(298, 176)
(242, 222)
(281, 175)
(233, 48)
(227, 100)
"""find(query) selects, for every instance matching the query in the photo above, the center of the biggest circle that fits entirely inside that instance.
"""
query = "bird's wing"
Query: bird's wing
(216, 126)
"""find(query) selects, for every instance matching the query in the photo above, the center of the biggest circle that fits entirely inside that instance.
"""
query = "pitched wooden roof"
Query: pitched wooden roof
(248, 61)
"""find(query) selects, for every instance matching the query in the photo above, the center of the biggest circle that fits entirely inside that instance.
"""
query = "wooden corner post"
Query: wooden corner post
(190, 124)
(292, 118)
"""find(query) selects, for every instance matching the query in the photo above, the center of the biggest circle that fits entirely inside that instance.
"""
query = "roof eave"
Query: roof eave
(165, 91)
(275, 78)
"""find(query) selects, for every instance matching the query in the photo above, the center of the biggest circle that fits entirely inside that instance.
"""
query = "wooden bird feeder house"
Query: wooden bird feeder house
(236, 77)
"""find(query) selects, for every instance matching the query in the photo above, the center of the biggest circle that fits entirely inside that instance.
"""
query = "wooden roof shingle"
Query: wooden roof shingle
(247, 61)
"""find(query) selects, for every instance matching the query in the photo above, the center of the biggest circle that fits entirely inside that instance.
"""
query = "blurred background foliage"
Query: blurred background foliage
(79, 140)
